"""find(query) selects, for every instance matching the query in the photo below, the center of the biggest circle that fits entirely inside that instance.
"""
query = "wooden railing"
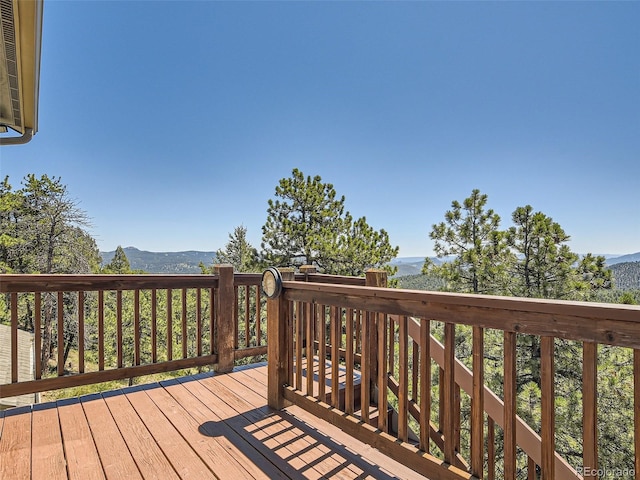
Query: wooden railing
(381, 363)
(367, 359)
(125, 326)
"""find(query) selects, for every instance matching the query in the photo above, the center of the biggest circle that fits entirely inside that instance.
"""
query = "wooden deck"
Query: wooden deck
(203, 426)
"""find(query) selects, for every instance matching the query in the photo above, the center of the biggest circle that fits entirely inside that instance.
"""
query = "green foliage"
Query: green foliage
(421, 282)
(529, 259)
(361, 248)
(43, 230)
(119, 263)
(593, 276)
(630, 298)
(470, 233)
(303, 222)
(307, 225)
(544, 266)
(238, 252)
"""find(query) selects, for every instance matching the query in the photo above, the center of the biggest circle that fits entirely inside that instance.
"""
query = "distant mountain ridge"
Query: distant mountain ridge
(631, 257)
(627, 274)
(163, 262)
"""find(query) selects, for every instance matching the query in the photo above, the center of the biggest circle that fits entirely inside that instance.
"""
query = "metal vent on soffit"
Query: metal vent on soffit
(10, 113)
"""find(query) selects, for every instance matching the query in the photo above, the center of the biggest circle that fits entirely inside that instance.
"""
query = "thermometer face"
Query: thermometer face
(271, 282)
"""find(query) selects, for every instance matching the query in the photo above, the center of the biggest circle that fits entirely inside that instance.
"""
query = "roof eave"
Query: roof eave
(27, 27)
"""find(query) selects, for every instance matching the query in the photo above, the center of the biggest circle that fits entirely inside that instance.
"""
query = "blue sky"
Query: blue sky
(171, 122)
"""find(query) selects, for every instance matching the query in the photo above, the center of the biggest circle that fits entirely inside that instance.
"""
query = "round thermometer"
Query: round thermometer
(271, 282)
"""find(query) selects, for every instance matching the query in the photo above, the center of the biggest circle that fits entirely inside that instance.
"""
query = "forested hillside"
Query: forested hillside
(163, 262)
(626, 276)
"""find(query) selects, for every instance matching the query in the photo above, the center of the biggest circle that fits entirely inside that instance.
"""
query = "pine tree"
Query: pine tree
(544, 268)
(470, 234)
(119, 263)
(238, 252)
(307, 224)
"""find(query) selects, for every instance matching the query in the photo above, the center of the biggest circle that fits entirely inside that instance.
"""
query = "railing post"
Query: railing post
(225, 301)
(374, 278)
(307, 269)
(279, 338)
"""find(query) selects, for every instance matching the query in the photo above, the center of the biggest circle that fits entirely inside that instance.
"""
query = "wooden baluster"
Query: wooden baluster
(258, 319)
(403, 378)
(170, 324)
(80, 332)
(365, 366)
(298, 341)
(509, 424)
(212, 319)
(310, 321)
(531, 469)
(154, 325)
(322, 352)
(348, 393)
(286, 275)
(37, 334)
(247, 316)
(456, 416)
(636, 408)
(589, 407)
(441, 399)
(136, 327)
(198, 322)
(391, 340)
(184, 323)
(101, 330)
(548, 436)
(119, 334)
(60, 312)
(491, 449)
(236, 319)
(425, 383)
(415, 370)
(14, 338)
(447, 423)
(477, 404)
(336, 335)
(383, 379)
(358, 331)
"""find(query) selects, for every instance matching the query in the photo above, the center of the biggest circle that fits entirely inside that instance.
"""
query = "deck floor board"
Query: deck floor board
(147, 454)
(47, 452)
(79, 447)
(182, 457)
(117, 460)
(205, 426)
(15, 445)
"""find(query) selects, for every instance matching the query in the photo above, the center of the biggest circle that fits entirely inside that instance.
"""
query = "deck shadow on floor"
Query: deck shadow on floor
(285, 455)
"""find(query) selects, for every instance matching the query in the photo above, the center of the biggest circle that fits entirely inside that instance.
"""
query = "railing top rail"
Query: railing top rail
(585, 321)
(247, 278)
(20, 283)
(334, 279)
